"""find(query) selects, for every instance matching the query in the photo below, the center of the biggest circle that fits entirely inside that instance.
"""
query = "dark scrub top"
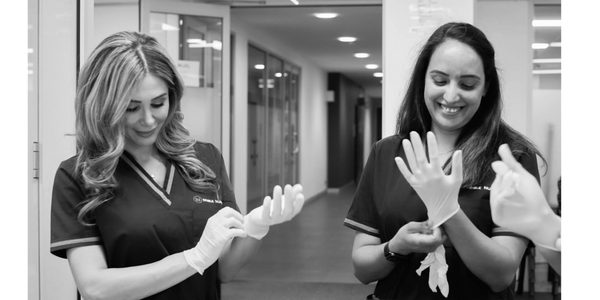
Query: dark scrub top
(385, 201)
(144, 222)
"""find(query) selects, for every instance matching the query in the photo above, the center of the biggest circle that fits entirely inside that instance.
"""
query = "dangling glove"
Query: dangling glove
(436, 261)
(280, 209)
(220, 228)
(439, 193)
(518, 203)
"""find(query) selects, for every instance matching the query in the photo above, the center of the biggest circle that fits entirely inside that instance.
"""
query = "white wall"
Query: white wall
(114, 17)
(312, 112)
(546, 134)
(403, 37)
(512, 42)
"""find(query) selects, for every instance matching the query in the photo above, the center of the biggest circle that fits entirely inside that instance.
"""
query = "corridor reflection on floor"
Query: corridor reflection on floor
(306, 258)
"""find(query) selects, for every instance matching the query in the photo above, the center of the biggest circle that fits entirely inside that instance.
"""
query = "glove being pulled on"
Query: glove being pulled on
(220, 228)
(438, 191)
(281, 208)
(518, 203)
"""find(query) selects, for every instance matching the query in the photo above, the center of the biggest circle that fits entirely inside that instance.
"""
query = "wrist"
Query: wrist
(255, 229)
(393, 256)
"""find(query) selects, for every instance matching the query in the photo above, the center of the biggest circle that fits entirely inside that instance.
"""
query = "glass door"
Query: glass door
(273, 92)
(197, 36)
(291, 78)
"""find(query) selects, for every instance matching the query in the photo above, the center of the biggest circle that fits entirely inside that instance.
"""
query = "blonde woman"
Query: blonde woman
(142, 210)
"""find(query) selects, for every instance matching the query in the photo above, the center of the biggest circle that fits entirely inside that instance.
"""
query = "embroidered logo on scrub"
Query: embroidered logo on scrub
(201, 200)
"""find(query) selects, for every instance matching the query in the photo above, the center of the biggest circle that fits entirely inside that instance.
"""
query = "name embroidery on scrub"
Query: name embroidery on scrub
(201, 200)
(487, 188)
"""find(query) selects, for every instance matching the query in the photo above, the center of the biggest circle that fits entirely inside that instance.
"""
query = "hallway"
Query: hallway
(309, 258)
(306, 258)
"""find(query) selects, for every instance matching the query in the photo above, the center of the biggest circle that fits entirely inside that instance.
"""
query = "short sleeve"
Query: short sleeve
(362, 215)
(67, 196)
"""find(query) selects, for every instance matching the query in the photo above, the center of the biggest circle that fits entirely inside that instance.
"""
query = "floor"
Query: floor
(308, 258)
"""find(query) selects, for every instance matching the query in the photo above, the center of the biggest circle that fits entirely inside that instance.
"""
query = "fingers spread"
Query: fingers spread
(288, 204)
(500, 167)
(410, 155)
(433, 149)
(457, 168)
(298, 204)
(266, 211)
(509, 159)
(404, 170)
(417, 144)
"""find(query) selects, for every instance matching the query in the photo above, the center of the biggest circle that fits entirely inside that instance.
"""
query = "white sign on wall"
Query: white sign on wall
(189, 71)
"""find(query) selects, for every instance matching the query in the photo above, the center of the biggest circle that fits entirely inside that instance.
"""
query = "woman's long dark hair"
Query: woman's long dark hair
(481, 137)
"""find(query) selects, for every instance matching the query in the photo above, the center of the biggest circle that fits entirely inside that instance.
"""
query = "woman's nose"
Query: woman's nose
(147, 117)
(451, 93)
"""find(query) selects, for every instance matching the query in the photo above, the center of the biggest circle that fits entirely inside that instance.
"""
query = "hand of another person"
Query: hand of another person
(278, 210)
(438, 191)
(518, 203)
(220, 228)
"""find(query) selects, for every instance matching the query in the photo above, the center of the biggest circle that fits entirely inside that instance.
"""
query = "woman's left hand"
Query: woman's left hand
(281, 208)
(437, 190)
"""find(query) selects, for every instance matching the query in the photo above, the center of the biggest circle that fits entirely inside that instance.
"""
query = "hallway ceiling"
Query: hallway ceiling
(316, 39)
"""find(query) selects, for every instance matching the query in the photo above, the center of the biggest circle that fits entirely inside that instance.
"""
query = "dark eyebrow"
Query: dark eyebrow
(157, 97)
(464, 76)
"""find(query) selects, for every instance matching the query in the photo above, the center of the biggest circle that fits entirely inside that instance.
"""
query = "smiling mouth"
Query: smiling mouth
(448, 109)
(146, 133)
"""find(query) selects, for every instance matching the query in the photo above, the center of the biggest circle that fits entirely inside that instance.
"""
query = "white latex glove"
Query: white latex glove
(518, 203)
(220, 228)
(438, 191)
(278, 210)
(436, 261)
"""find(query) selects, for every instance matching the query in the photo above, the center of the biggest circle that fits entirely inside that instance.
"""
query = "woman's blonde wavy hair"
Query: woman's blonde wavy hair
(106, 83)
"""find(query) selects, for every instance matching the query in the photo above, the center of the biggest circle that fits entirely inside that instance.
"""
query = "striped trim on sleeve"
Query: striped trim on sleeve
(361, 227)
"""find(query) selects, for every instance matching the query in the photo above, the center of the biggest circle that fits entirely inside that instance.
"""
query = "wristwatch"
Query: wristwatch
(392, 256)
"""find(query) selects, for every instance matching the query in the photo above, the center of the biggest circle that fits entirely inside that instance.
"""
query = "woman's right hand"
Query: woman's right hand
(417, 237)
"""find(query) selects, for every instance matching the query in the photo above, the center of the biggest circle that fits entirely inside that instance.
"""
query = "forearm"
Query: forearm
(493, 263)
(134, 282)
(370, 263)
(236, 254)
(553, 258)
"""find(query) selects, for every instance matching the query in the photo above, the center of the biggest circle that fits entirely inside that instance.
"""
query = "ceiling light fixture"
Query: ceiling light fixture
(546, 23)
(295, 2)
(538, 46)
(546, 72)
(325, 15)
(347, 39)
(556, 44)
(372, 66)
(378, 74)
(547, 61)
(259, 66)
(361, 55)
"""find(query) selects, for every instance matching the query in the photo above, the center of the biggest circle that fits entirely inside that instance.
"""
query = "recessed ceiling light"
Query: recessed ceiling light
(539, 45)
(372, 66)
(361, 55)
(547, 61)
(326, 15)
(259, 66)
(546, 72)
(347, 39)
(295, 2)
(378, 74)
(546, 23)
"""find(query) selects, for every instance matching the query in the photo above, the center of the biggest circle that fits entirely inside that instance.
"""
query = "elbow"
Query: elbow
(363, 277)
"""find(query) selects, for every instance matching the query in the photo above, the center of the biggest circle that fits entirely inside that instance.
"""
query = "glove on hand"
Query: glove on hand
(518, 203)
(280, 209)
(220, 228)
(438, 191)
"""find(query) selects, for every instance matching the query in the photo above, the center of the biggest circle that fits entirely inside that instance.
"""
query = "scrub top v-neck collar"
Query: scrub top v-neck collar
(162, 192)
